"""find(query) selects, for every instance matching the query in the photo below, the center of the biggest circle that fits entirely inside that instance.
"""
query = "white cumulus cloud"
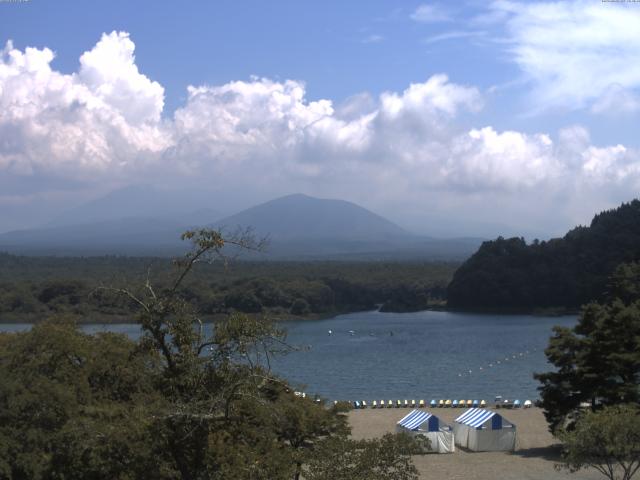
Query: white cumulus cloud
(395, 152)
(110, 72)
(105, 116)
(485, 158)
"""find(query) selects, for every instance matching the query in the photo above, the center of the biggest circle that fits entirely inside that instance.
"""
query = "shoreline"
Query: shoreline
(213, 318)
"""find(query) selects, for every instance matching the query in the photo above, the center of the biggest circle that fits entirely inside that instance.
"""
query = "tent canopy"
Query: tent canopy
(482, 430)
(419, 423)
(479, 418)
(417, 418)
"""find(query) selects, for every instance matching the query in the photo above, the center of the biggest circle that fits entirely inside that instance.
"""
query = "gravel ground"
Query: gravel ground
(535, 456)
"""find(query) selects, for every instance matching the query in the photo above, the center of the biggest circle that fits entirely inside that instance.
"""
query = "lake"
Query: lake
(374, 355)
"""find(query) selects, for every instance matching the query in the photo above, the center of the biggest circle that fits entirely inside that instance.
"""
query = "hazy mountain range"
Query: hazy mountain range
(149, 222)
(143, 201)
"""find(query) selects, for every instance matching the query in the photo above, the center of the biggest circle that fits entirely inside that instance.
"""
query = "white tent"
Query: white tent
(420, 422)
(482, 430)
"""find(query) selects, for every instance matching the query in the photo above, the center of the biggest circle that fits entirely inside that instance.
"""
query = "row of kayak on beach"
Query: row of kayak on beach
(442, 404)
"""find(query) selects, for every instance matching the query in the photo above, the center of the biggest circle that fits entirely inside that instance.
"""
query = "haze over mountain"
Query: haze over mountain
(184, 206)
(125, 236)
(298, 226)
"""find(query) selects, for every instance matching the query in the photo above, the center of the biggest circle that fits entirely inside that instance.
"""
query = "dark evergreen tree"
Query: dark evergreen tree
(508, 274)
(597, 361)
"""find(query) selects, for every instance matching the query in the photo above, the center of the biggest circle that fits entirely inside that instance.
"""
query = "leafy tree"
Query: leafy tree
(184, 402)
(244, 302)
(210, 381)
(69, 290)
(597, 361)
(386, 458)
(300, 307)
(74, 405)
(300, 424)
(607, 440)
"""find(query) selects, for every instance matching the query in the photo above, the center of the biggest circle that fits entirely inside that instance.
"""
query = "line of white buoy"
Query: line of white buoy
(501, 361)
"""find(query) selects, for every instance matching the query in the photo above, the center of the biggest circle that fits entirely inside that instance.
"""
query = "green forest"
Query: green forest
(33, 288)
(562, 273)
(176, 404)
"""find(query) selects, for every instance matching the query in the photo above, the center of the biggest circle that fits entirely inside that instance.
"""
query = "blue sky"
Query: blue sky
(337, 48)
(522, 115)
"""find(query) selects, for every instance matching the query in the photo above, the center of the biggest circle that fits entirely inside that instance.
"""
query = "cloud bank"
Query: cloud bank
(576, 53)
(403, 151)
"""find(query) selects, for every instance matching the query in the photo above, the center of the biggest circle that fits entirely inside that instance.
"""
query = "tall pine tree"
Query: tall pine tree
(598, 361)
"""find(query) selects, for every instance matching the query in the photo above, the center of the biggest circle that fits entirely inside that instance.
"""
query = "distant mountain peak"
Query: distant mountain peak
(302, 216)
(299, 226)
(294, 196)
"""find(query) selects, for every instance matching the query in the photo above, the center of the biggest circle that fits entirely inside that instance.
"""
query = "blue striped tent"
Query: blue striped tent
(476, 417)
(417, 418)
(481, 430)
(421, 422)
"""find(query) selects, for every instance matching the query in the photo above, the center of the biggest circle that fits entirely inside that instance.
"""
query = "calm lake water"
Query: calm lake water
(410, 355)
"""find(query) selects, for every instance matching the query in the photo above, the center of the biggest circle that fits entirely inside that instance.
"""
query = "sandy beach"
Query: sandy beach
(535, 456)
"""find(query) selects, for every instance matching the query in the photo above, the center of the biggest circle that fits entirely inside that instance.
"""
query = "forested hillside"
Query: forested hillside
(509, 274)
(33, 288)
